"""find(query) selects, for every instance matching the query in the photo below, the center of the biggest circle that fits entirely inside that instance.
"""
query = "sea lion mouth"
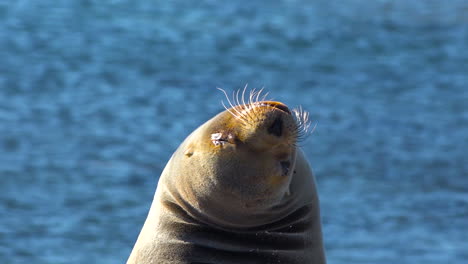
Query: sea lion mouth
(274, 104)
(285, 167)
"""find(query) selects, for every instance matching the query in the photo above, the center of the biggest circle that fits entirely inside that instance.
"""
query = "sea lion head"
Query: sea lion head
(235, 170)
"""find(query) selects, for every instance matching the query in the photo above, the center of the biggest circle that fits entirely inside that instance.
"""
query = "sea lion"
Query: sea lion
(237, 190)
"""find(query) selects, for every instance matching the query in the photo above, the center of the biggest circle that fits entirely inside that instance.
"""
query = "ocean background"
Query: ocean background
(96, 95)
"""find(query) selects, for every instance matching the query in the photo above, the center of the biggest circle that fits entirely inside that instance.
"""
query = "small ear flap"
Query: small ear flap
(189, 151)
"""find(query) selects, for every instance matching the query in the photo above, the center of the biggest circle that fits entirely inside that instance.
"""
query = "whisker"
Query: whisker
(251, 96)
(235, 97)
(238, 114)
(313, 129)
(258, 95)
(242, 109)
(226, 95)
(229, 110)
(265, 96)
(303, 123)
(243, 94)
(247, 106)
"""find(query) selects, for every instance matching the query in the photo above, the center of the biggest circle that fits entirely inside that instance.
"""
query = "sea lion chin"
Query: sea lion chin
(238, 175)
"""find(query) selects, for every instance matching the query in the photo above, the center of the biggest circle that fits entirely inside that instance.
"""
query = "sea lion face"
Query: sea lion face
(254, 153)
(237, 167)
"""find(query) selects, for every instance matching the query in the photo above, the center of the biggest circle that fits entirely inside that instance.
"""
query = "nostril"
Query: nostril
(276, 128)
(285, 166)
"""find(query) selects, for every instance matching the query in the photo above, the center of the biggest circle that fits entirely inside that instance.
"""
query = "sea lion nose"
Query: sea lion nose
(276, 127)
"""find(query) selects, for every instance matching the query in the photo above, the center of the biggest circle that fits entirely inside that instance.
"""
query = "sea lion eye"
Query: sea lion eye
(222, 138)
(276, 128)
(217, 139)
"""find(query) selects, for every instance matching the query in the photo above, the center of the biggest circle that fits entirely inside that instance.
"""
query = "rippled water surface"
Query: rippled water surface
(96, 95)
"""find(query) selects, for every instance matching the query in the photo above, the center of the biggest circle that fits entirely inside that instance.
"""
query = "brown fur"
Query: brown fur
(226, 195)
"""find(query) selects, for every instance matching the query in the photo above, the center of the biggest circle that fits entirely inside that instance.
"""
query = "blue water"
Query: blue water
(96, 95)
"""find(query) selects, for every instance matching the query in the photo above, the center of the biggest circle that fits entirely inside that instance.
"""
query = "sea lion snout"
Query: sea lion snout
(275, 104)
